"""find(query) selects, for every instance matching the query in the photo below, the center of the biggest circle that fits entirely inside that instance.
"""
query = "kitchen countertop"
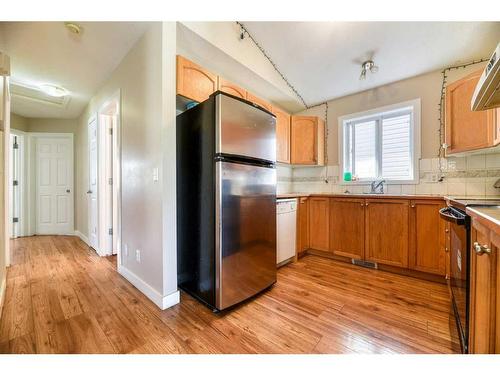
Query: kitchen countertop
(488, 216)
(366, 196)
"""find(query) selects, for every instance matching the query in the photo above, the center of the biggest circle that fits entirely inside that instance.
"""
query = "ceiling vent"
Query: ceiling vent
(35, 94)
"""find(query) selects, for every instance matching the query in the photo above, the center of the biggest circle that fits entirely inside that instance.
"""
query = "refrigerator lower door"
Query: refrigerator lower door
(245, 231)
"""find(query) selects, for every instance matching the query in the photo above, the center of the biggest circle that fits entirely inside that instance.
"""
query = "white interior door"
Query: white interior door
(92, 192)
(54, 185)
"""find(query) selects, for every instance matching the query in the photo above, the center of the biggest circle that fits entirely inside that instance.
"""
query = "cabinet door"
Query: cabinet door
(194, 82)
(255, 99)
(482, 293)
(319, 215)
(387, 231)
(347, 227)
(465, 129)
(282, 135)
(231, 88)
(303, 225)
(304, 146)
(427, 237)
(496, 127)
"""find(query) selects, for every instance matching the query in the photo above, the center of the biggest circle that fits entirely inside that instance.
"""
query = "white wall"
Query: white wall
(147, 119)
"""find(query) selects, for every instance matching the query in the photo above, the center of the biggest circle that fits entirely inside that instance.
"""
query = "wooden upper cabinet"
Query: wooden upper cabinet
(255, 99)
(467, 130)
(427, 237)
(319, 215)
(484, 293)
(386, 238)
(303, 225)
(307, 140)
(347, 227)
(230, 88)
(193, 81)
(282, 135)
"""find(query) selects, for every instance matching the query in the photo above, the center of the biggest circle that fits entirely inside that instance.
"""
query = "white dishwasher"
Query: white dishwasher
(286, 222)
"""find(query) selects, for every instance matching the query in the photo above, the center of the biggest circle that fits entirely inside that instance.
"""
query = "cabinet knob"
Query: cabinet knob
(366, 204)
(481, 249)
(362, 204)
(412, 206)
(447, 230)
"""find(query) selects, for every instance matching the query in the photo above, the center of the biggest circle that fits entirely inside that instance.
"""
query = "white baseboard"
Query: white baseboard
(82, 237)
(3, 286)
(163, 302)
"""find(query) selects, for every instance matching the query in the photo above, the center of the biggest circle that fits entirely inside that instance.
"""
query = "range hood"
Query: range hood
(487, 92)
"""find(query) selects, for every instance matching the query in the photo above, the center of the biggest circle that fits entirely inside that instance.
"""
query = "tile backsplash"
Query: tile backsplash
(470, 176)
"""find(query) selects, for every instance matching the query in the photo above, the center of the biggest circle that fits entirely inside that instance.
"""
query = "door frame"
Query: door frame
(90, 120)
(32, 178)
(22, 181)
(108, 166)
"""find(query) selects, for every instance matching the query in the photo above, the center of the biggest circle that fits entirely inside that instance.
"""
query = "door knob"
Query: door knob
(481, 249)
(68, 191)
(89, 192)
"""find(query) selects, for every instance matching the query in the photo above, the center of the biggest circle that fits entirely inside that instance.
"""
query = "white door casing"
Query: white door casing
(54, 184)
(92, 192)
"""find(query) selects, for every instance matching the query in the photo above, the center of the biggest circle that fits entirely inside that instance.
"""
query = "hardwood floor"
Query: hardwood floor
(62, 298)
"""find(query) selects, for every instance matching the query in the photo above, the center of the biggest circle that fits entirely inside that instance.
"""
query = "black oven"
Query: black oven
(459, 269)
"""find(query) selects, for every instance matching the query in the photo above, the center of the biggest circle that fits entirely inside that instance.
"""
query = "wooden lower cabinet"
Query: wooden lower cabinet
(303, 225)
(347, 227)
(319, 215)
(484, 326)
(427, 252)
(386, 240)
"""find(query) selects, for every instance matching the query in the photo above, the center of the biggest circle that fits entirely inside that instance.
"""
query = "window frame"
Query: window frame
(414, 106)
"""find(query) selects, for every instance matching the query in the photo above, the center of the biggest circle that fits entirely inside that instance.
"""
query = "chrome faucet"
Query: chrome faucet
(377, 187)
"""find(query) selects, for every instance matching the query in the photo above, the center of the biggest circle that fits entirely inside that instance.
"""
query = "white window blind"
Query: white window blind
(396, 147)
(381, 145)
(365, 149)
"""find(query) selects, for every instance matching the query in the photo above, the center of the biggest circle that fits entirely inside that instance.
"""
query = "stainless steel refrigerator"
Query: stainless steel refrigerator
(226, 200)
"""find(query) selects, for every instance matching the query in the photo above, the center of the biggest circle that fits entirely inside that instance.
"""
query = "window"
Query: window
(382, 144)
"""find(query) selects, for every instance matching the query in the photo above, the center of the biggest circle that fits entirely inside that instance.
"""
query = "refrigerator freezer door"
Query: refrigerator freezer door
(245, 231)
(245, 130)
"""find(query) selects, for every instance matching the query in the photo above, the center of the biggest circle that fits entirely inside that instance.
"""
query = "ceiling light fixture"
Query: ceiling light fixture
(73, 27)
(368, 65)
(53, 90)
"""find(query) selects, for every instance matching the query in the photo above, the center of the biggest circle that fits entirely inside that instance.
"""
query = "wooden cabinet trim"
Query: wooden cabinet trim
(191, 90)
(231, 88)
(261, 102)
(283, 136)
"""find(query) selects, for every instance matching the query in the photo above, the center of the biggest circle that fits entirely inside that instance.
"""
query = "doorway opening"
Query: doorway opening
(104, 178)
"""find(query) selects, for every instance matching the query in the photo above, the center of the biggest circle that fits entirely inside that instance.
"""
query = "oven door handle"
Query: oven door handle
(447, 214)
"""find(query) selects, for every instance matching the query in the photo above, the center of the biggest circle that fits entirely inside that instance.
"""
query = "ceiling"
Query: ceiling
(323, 59)
(46, 52)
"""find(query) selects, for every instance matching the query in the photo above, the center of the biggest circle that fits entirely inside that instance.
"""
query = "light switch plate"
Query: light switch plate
(156, 175)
